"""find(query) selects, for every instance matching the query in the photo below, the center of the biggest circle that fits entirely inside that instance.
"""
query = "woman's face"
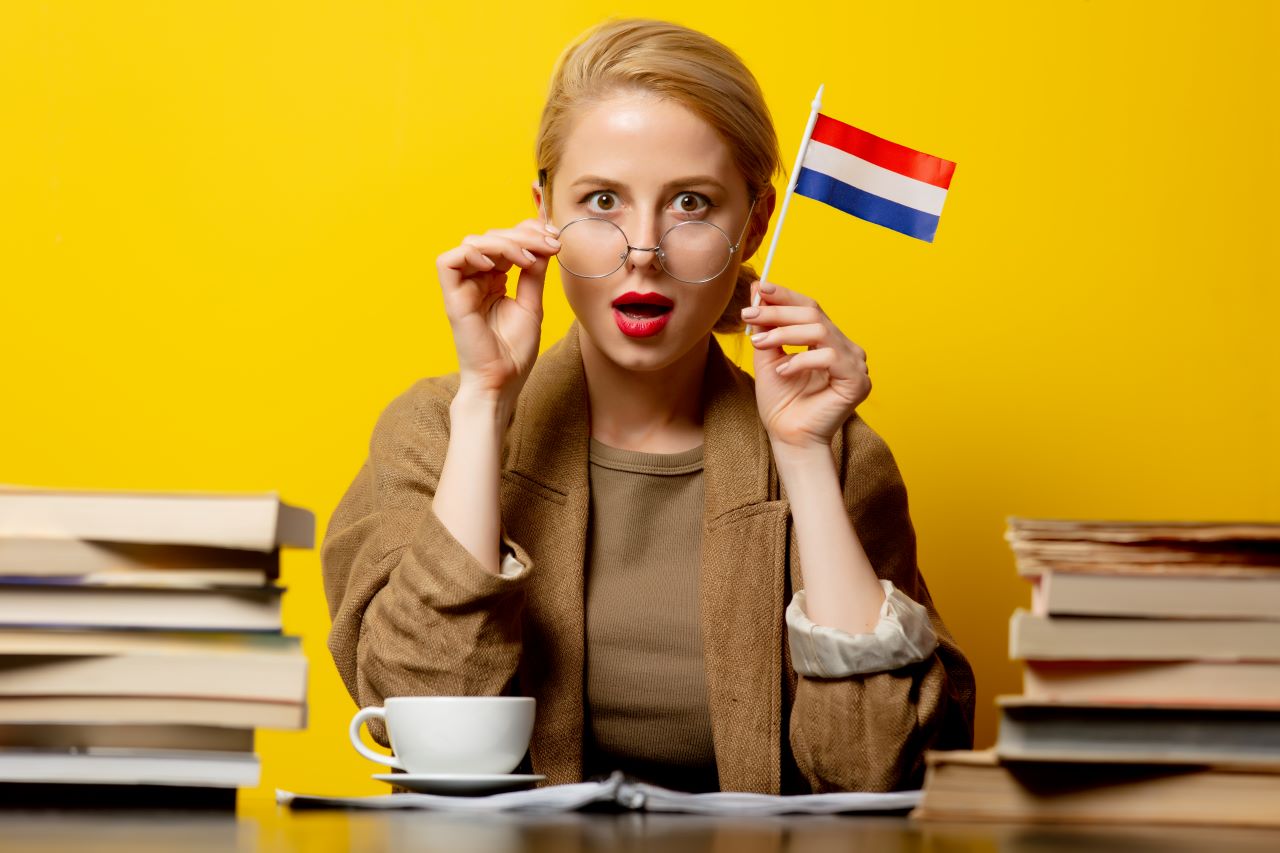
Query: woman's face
(647, 164)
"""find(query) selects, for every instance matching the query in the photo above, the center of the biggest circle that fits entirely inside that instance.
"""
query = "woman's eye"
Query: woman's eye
(605, 201)
(691, 203)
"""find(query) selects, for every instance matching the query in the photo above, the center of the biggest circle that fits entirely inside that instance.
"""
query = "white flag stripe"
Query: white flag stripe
(874, 179)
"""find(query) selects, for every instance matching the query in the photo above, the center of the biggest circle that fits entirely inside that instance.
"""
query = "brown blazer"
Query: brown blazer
(414, 613)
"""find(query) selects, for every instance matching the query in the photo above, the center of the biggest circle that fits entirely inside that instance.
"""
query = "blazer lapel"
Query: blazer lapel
(743, 584)
(546, 507)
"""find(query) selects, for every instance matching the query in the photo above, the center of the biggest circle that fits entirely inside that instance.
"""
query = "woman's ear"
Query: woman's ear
(537, 201)
(760, 216)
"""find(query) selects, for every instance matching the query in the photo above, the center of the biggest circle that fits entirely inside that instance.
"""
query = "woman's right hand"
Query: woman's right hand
(496, 336)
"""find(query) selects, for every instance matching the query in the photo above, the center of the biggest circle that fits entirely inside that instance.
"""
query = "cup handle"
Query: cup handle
(358, 720)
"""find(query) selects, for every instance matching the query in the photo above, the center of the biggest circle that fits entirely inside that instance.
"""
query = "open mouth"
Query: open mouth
(642, 315)
(642, 310)
(643, 306)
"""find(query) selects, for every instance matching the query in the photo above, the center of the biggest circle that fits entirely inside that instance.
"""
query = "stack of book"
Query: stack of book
(1151, 690)
(141, 641)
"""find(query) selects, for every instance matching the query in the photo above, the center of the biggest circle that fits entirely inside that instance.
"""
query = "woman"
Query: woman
(705, 580)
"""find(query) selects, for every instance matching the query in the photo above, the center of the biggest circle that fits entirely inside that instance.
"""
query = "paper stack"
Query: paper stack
(141, 640)
(1151, 688)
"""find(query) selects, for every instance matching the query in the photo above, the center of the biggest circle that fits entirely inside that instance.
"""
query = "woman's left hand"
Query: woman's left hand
(803, 404)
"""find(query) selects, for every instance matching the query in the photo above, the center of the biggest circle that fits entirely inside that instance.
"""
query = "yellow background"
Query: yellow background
(220, 220)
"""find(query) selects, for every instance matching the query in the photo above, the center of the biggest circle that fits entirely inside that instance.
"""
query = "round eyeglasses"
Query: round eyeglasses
(694, 252)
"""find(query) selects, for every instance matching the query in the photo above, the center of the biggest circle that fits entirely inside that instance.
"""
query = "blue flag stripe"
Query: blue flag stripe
(865, 205)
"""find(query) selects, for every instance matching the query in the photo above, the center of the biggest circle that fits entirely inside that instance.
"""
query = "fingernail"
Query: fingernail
(551, 228)
(758, 337)
(781, 368)
(529, 255)
(553, 242)
(768, 288)
(750, 311)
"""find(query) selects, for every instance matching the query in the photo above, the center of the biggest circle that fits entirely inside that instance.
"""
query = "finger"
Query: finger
(521, 248)
(811, 359)
(537, 226)
(504, 251)
(530, 234)
(462, 262)
(754, 301)
(838, 366)
(804, 334)
(530, 283)
(473, 262)
(482, 263)
(783, 315)
(529, 287)
(541, 227)
(773, 293)
(543, 236)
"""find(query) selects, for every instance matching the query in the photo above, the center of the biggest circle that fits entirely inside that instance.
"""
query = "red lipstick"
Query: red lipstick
(640, 315)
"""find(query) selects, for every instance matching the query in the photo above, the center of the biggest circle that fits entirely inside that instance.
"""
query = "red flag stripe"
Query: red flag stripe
(883, 153)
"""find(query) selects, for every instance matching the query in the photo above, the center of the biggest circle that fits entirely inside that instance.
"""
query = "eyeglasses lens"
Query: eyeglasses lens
(591, 247)
(695, 251)
(690, 252)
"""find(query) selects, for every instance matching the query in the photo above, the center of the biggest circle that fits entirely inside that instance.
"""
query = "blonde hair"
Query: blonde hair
(671, 61)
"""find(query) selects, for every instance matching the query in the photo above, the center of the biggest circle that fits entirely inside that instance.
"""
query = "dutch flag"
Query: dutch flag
(874, 179)
(862, 174)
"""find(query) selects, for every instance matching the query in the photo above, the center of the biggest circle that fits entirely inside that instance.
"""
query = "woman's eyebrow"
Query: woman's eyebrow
(694, 180)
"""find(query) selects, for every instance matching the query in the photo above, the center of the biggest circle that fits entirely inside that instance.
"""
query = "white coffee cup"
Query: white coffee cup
(451, 734)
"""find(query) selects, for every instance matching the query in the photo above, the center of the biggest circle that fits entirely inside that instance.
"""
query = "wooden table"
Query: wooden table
(265, 827)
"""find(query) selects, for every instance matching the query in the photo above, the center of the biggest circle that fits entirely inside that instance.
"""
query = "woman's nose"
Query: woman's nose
(644, 246)
(643, 259)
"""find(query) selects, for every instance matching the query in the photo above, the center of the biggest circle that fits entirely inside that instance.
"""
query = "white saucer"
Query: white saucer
(460, 783)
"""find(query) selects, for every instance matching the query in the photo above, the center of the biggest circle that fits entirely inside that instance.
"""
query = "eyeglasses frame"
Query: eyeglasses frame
(659, 253)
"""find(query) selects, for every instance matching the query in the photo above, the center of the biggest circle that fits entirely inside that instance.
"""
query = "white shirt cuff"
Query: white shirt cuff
(902, 636)
(510, 566)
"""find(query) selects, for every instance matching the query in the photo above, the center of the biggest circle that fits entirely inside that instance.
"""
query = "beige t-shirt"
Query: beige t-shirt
(646, 689)
(645, 681)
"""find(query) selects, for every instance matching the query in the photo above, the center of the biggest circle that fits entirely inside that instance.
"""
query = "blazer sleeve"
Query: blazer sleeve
(414, 612)
(869, 732)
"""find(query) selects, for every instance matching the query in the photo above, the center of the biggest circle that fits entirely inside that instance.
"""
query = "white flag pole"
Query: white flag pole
(791, 186)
